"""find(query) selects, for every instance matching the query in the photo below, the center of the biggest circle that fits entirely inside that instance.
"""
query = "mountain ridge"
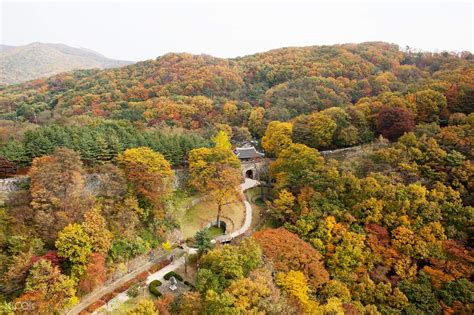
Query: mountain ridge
(36, 60)
(285, 82)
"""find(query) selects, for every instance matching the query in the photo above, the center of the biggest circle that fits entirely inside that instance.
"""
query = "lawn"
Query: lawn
(199, 216)
(179, 200)
(215, 231)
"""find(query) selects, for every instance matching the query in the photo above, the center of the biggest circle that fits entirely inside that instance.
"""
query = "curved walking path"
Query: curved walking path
(123, 297)
(249, 183)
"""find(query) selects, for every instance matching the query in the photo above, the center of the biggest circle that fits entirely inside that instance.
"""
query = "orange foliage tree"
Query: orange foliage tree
(288, 252)
(94, 275)
(57, 191)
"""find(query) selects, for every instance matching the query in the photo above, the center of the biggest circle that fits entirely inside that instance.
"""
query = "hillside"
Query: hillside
(32, 61)
(5, 47)
(288, 81)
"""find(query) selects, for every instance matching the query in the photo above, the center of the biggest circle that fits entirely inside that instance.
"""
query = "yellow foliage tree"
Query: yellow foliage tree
(75, 245)
(333, 307)
(150, 174)
(315, 130)
(144, 307)
(221, 141)
(166, 246)
(96, 227)
(256, 121)
(277, 137)
(215, 171)
(294, 283)
(247, 295)
(283, 206)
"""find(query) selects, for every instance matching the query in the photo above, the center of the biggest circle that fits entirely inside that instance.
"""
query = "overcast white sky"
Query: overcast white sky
(138, 31)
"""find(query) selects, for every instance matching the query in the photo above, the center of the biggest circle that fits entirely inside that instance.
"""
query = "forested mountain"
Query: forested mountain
(5, 47)
(37, 60)
(287, 82)
(387, 229)
(347, 84)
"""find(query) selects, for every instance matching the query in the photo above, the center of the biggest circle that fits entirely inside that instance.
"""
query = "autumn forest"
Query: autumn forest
(362, 204)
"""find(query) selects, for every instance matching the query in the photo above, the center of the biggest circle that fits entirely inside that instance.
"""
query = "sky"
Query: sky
(143, 30)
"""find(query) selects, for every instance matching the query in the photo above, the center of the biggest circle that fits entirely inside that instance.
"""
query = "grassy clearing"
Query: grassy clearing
(179, 200)
(254, 195)
(199, 216)
(261, 219)
(125, 307)
(129, 305)
(215, 231)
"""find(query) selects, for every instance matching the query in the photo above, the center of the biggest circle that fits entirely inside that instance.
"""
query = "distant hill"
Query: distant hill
(5, 47)
(36, 60)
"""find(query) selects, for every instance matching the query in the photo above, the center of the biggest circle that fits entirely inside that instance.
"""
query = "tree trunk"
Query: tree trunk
(219, 209)
(186, 263)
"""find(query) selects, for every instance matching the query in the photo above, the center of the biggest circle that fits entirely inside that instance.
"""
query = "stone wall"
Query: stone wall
(341, 154)
(257, 168)
(180, 178)
(12, 184)
(93, 182)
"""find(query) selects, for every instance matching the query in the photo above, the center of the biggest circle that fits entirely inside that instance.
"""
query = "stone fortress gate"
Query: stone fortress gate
(252, 161)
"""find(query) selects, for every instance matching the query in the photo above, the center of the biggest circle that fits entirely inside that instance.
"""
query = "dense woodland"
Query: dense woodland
(391, 234)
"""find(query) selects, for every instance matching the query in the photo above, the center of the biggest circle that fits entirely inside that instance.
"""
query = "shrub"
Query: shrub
(142, 276)
(193, 258)
(133, 291)
(159, 265)
(152, 287)
(124, 250)
(173, 274)
(191, 242)
(190, 285)
(124, 287)
(94, 306)
(106, 298)
(149, 238)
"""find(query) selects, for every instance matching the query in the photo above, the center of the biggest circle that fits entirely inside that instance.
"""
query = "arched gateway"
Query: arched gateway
(249, 174)
(251, 161)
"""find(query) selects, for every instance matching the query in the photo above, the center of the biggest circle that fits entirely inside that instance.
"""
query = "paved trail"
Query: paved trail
(249, 183)
(123, 297)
